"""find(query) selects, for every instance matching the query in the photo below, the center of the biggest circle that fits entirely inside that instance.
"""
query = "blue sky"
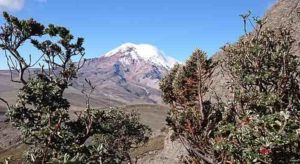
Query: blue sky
(176, 27)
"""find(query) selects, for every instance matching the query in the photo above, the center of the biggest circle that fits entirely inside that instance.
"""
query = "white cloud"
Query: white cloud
(12, 4)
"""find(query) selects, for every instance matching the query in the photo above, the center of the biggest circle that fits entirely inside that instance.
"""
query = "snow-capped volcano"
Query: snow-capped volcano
(130, 52)
(129, 73)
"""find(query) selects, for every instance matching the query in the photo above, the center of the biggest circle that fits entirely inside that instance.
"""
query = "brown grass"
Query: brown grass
(152, 115)
(14, 153)
(154, 144)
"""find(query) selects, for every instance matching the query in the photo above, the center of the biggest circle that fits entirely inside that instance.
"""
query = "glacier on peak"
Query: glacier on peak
(145, 52)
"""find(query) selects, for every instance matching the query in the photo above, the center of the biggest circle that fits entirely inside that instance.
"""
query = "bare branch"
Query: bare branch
(5, 102)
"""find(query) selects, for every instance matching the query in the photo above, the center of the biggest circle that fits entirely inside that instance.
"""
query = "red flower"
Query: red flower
(264, 151)
(57, 126)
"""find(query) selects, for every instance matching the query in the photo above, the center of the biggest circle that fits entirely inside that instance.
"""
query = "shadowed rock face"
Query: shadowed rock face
(125, 75)
(154, 73)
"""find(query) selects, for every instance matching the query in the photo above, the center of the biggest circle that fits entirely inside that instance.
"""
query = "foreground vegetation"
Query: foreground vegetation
(41, 112)
(150, 115)
(15, 153)
(260, 122)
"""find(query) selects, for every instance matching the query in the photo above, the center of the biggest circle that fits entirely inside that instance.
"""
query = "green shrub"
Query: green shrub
(42, 112)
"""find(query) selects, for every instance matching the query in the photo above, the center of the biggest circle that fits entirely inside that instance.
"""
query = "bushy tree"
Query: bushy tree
(42, 112)
(260, 124)
(265, 84)
(191, 116)
(166, 85)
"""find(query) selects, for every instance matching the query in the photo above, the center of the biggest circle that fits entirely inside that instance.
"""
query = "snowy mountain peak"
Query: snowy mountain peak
(144, 52)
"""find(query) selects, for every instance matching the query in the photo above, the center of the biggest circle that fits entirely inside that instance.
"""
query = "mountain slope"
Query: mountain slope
(286, 13)
(129, 73)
